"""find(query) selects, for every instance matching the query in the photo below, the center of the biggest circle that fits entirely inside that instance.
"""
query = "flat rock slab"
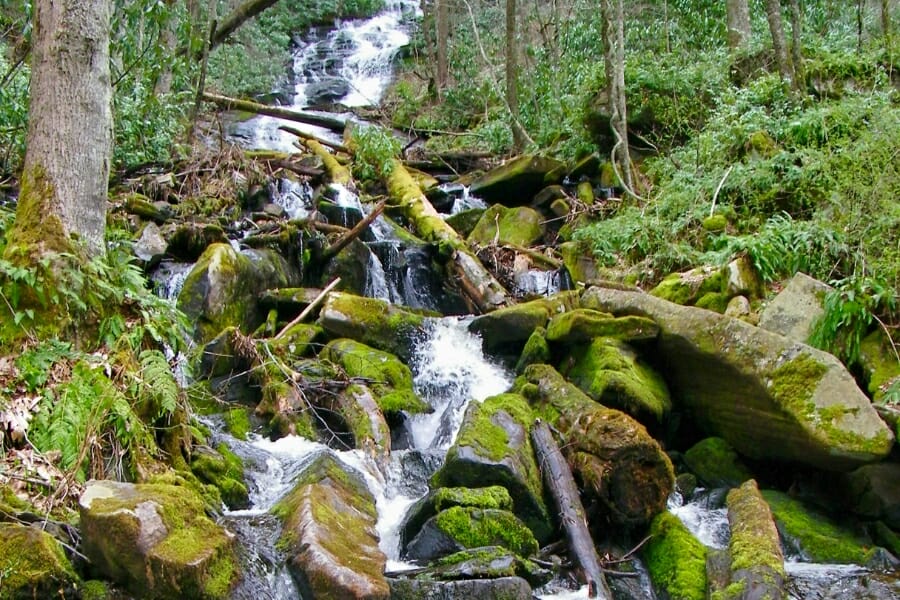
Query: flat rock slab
(794, 311)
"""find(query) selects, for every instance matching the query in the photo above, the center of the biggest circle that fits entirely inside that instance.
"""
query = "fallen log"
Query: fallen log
(329, 122)
(341, 243)
(337, 172)
(309, 136)
(476, 281)
(558, 479)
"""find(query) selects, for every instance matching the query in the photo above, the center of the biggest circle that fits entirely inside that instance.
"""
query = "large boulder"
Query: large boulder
(493, 448)
(583, 325)
(156, 540)
(619, 463)
(796, 308)
(429, 505)
(33, 564)
(873, 492)
(519, 226)
(757, 563)
(222, 288)
(770, 397)
(510, 326)
(466, 527)
(517, 181)
(329, 534)
(716, 464)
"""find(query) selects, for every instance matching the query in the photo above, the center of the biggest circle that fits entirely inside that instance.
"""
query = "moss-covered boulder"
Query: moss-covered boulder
(813, 535)
(879, 364)
(33, 565)
(223, 469)
(222, 288)
(579, 261)
(389, 379)
(439, 499)
(716, 464)
(353, 266)
(329, 534)
(619, 463)
(156, 540)
(519, 226)
(757, 563)
(583, 325)
(796, 308)
(289, 299)
(536, 350)
(283, 404)
(353, 414)
(465, 527)
(189, 241)
(873, 492)
(488, 562)
(675, 559)
(613, 374)
(373, 322)
(500, 588)
(509, 327)
(517, 181)
(465, 221)
(493, 447)
(688, 287)
(768, 396)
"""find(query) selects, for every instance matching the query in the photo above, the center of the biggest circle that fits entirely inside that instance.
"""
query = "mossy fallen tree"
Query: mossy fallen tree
(475, 281)
(322, 120)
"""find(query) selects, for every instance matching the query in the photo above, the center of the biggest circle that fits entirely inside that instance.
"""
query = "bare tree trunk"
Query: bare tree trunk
(797, 44)
(886, 22)
(442, 17)
(773, 15)
(69, 145)
(614, 30)
(512, 73)
(737, 14)
(859, 25)
(169, 40)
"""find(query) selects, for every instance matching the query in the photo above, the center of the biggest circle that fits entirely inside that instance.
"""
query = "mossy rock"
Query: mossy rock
(579, 262)
(756, 557)
(716, 464)
(493, 447)
(795, 310)
(373, 322)
(156, 540)
(141, 206)
(509, 327)
(389, 379)
(33, 565)
(675, 559)
(536, 350)
(223, 469)
(361, 417)
(188, 242)
(462, 527)
(300, 339)
(517, 181)
(714, 301)
(464, 222)
(813, 535)
(686, 288)
(439, 499)
(520, 226)
(489, 562)
(498, 588)
(283, 405)
(352, 266)
(611, 372)
(873, 492)
(879, 364)
(583, 325)
(329, 533)
(715, 223)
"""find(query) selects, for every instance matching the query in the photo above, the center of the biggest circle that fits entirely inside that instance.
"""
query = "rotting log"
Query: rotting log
(342, 242)
(329, 122)
(309, 136)
(475, 280)
(558, 479)
(337, 173)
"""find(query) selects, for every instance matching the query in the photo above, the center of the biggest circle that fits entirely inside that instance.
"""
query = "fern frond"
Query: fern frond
(159, 385)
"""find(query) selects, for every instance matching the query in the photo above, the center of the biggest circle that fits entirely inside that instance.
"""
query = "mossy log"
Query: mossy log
(329, 122)
(337, 173)
(475, 280)
(614, 456)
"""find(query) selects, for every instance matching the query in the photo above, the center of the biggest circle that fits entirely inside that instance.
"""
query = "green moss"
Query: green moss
(474, 527)
(815, 535)
(94, 590)
(879, 364)
(584, 324)
(33, 564)
(716, 464)
(714, 301)
(519, 226)
(184, 549)
(754, 543)
(372, 322)
(486, 436)
(676, 559)
(795, 382)
(675, 289)
(536, 350)
(237, 420)
(715, 223)
(494, 496)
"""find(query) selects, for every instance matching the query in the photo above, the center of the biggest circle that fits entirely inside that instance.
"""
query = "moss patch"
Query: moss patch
(32, 564)
(795, 381)
(716, 464)
(754, 543)
(474, 527)
(676, 559)
(494, 496)
(489, 438)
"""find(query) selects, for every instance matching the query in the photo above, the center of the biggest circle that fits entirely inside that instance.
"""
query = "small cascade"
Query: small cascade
(169, 277)
(295, 197)
(705, 516)
(541, 283)
(462, 199)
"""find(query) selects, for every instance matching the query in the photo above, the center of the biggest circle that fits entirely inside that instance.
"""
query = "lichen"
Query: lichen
(675, 559)
(794, 382)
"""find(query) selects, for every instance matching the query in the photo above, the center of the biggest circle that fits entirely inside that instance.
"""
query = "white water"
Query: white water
(294, 197)
(709, 525)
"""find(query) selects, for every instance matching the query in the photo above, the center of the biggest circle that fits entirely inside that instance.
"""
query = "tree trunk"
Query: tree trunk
(512, 72)
(69, 145)
(797, 44)
(443, 35)
(245, 11)
(737, 14)
(886, 22)
(330, 122)
(169, 40)
(614, 32)
(779, 45)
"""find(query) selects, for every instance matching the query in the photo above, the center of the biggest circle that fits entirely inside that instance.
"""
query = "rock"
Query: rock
(390, 380)
(583, 325)
(141, 206)
(768, 396)
(300, 339)
(757, 564)
(465, 221)
(155, 540)
(861, 586)
(738, 307)
(618, 462)
(373, 322)
(189, 241)
(33, 564)
(489, 562)
(433, 502)
(588, 166)
(465, 527)
(150, 247)
(579, 261)
(329, 534)
(688, 287)
(610, 372)
(223, 469)
(507, 328)
(536, 350)
(352, 265)
(284, 404)
(741, 278)
(675, 559)
(547, 196)
(274, 210)
(520, 226)
(873, 492)
(794, 311)
(288, 299)
(363, 418)
(222, 288)
(493, 447)
(716, 464)
(517, 181)
(879, 365)
(813, 536)
(326, 91)
(502, 588)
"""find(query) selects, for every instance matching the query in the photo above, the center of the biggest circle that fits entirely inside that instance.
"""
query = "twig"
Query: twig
(312, 306)
(712, 209)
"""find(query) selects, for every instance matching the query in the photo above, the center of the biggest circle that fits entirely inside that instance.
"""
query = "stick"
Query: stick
(712, 209)
(312, 306)
(558, 478)
(332, 250)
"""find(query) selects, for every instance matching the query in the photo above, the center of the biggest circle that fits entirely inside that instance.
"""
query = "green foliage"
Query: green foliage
(374, 150)
(157, 384)
(13, 111)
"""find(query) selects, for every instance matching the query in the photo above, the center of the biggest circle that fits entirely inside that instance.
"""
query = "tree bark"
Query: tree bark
(242, 13)
(512, 72)
(558, 478)
(779, 45)
(442, 18)
(69, 142)
(797, 44)
(614, 33)
(886, 22)
(737, 14)
(332, 123)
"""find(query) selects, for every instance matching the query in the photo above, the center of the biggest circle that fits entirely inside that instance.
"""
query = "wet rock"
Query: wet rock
(499, 225)
(794, 311)
(536, 350)
(465, 221)
(583, 325)
(611, 372)
(757, 564)
(873, 492)
(768, 396)
(288, 299)
(433, 502)
(489, 562)
(879, 365)
(224, 470)
(494, 448)
(716, 464)
(619, 463)
(33, 564)
(329, 534)
(222, 288)
(501, 588)
(465, 527)
(363, 419)
(150, 247)
(511, 326)
(516, 182)
(326, 91)
(859, 586)
(188, 242)
(156, 540)
(675, 559)
(352, 265)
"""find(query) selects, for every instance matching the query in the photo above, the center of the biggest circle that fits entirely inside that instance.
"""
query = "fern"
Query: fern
(158, 384)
